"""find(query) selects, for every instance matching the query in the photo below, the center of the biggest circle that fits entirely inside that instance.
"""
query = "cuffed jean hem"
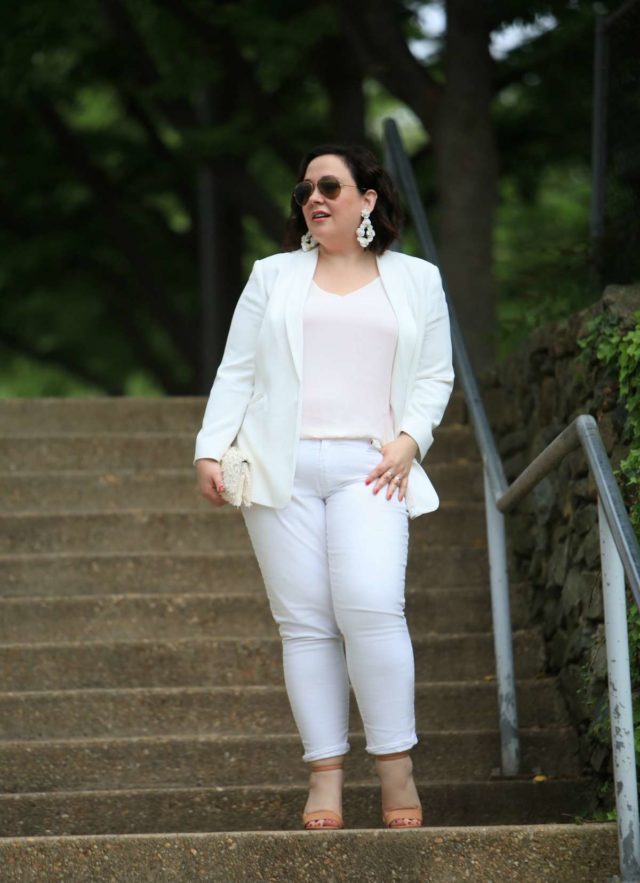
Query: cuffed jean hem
(391, 749)
(322, 753)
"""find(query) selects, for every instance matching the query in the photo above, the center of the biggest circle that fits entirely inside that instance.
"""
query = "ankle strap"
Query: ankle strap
(328, 766)
(391, 756)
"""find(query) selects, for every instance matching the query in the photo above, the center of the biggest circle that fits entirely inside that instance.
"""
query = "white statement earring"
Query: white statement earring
(307, 241)
(365, 231)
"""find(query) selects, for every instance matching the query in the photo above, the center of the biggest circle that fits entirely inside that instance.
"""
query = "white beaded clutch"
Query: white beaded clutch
(236, 476)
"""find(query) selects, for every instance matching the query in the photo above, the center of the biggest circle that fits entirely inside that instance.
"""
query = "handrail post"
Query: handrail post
(620, 703)
(502, 636)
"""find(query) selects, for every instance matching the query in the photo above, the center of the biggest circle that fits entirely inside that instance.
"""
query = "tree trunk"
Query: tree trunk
(221, 272)
(467, 171)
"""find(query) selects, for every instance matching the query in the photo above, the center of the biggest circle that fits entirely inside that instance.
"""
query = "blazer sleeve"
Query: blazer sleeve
(433, 382)
(233, 383)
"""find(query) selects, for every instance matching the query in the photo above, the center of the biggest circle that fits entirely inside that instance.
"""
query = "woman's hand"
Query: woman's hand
(396, 460)
(209, 474)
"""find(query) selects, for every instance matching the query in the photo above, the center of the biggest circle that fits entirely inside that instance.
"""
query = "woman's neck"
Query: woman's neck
(347, 258)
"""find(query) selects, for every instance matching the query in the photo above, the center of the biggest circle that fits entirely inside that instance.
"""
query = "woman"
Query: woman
(337, 429)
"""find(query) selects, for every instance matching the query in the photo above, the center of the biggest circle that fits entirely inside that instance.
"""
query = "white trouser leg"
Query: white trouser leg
(333, 563)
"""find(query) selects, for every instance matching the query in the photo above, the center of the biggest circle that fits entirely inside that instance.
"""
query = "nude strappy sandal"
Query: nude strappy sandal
(327, 815)
(406, 813)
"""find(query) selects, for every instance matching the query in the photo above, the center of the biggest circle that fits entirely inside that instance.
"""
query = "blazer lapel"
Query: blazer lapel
(295, 285)
(398, 284)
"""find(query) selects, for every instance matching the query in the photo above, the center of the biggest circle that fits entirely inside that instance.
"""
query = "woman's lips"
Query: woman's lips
(322, 217)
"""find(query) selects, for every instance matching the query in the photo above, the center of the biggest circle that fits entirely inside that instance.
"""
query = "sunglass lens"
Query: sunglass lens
(302, 192)
(329, 187)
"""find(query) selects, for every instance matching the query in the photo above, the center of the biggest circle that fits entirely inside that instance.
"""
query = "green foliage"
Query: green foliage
(620, 354)
(541, 253)
(104, 140)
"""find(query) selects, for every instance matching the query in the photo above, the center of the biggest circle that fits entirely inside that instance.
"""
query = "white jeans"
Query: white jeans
(333, 561)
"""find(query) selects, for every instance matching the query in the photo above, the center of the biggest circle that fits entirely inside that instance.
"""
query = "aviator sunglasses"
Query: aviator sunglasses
(328, 185)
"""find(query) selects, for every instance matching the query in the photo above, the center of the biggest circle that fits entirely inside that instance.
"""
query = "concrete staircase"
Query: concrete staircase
(145, 732)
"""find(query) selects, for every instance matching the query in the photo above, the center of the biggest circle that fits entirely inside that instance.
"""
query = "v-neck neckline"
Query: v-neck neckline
(346, 293)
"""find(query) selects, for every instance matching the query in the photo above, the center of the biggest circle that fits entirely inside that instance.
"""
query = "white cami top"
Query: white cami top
(349, 347)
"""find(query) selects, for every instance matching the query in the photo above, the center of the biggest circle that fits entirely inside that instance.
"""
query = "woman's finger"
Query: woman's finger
(385, 478)
(393, 485)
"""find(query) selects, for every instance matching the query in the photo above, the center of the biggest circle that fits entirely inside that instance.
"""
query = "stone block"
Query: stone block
(523, 541)
(573, 690)
(575, 593)
(580, 641)
(499, 412)
(584, 489)
(598, 655)
(558, 563)
(513, 441)
(563, 341)
(622, 301)
(592, 548)
(552, 612)
(514, 465)
(577, 556)
(595, 607)
(547, 399)
(536, 571)
(584, 519)
(608, 431)
(577, 463)
(545, 498)
(556, 649)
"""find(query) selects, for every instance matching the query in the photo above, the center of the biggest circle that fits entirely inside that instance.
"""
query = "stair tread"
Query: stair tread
(554, 851)
(114, 581)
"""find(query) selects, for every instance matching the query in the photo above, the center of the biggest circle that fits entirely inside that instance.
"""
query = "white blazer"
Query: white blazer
(256, 394)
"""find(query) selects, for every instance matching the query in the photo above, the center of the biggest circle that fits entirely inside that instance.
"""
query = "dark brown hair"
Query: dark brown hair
(367, 173)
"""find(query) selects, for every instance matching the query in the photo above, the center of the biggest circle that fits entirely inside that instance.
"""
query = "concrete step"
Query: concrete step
(128, 712)
(188, 761)
(571, 853)
(160, 450)
(80, 573)
(88, 490)
(227, 661)
(279, 807)
(50, 415)
(166, 616)
(146, 724)
(179, 531)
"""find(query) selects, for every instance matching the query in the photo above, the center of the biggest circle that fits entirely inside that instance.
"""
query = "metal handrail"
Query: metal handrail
(620, 553)
(583, 431)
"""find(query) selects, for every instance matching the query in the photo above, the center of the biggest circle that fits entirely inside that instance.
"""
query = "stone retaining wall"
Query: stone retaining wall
(553, 534)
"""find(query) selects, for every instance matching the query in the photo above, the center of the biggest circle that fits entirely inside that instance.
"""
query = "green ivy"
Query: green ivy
(619, 353)
(618, 350)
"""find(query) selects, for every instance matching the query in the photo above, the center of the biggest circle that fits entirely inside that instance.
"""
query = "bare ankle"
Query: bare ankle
(397, 769)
